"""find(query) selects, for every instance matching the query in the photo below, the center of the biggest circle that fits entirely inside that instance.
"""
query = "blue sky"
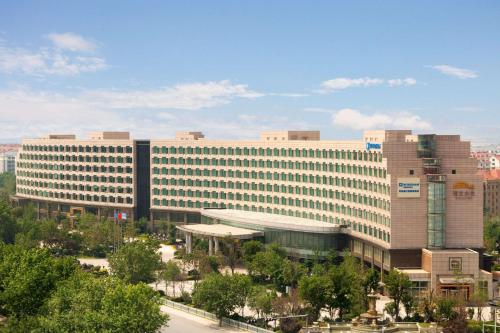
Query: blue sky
(232, 69)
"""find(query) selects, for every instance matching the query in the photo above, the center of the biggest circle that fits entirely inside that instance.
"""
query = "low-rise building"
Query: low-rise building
(8, 162)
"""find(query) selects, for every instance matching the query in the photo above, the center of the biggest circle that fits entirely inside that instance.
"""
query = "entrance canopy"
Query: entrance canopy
(219, 230)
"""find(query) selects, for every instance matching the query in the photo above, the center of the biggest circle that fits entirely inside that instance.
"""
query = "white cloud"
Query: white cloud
(354, 119)
(72, 42)
(409, 81)
(318, 110)
(166, 116)
(27, 113)
(46, 61)
(190, 96)
(460, 73)
(344, 83)
(292, 95)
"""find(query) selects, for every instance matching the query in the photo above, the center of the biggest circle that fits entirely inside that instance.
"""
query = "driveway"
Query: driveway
(182, 322)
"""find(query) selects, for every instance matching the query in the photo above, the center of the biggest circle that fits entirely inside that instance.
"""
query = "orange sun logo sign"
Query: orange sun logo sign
(463, 190)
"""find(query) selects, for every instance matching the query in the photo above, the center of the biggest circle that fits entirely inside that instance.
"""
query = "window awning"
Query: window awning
(456, 280)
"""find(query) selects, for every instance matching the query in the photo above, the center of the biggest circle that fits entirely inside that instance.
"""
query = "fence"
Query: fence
(228, 321)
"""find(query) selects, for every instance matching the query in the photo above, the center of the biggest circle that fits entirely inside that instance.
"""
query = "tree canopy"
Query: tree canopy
(27, 278)
(221, 294)
(136, 262)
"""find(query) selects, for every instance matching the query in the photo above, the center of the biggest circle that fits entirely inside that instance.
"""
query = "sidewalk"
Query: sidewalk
(209, 324)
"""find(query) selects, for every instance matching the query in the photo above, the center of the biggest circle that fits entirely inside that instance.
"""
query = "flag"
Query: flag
(120, 216)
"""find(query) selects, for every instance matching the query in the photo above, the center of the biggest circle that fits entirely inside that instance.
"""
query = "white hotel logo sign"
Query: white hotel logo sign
(409, 187)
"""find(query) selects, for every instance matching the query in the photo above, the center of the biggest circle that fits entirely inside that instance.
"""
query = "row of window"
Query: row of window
(76, 187)
(321, 192)
(74, 177)
(76, 158)
(284, 201)
(313, 166)
(261, 187)
(76, 197)
(359, 227)
(309, 179)
(283, 152)
(80, 168)
(79, 148)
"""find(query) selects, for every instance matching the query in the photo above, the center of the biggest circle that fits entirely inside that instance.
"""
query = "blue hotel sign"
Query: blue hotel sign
(370, 145)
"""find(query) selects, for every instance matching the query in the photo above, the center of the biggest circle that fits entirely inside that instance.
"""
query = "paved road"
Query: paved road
(182, 322)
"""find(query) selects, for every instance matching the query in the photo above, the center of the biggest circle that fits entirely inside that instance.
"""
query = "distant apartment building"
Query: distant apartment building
(391, 198)
(9, 147)
(487, 160)
(491, 185)
(8, 162)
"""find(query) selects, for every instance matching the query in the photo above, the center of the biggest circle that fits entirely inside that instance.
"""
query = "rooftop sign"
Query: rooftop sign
(370, 145)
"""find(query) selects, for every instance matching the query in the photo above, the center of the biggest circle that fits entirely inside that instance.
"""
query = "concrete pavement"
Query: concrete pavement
(182, 322)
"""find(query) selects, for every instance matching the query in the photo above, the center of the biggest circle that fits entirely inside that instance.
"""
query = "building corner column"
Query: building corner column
(189, 243)
(210, 246)
(216, 244)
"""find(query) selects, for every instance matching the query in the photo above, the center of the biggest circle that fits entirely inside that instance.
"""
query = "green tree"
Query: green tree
(27, 277)
(171, 274)
(369, 281)
(346, 294)
(249, 249)
(219, 294)
(28, 228)
(314, 290)
(243, 285)
(8, 226)
(391, 310)
(98, 236)
(7, 183)
(445, 308)
(261, 301)
(232, 251)
(492, 233)
(427, 305)
(458, 323)
(58, 240)
(288, 304)
(478, 299)
(292, 272)
(398, 284)
(136, 262)
(141, 225)
(268, 266)
(88, 304)
(408, 302)
(130, 231)
(208, 264)
(278, 249)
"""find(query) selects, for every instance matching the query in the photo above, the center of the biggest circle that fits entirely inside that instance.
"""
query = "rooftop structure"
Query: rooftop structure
(290, 135)
(186, 136)
(265, 220)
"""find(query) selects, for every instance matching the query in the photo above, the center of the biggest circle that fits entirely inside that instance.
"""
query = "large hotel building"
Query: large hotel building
(393, 199)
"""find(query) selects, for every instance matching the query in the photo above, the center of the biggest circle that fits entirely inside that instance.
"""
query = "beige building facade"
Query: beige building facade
(391, 193)
(65, 175)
